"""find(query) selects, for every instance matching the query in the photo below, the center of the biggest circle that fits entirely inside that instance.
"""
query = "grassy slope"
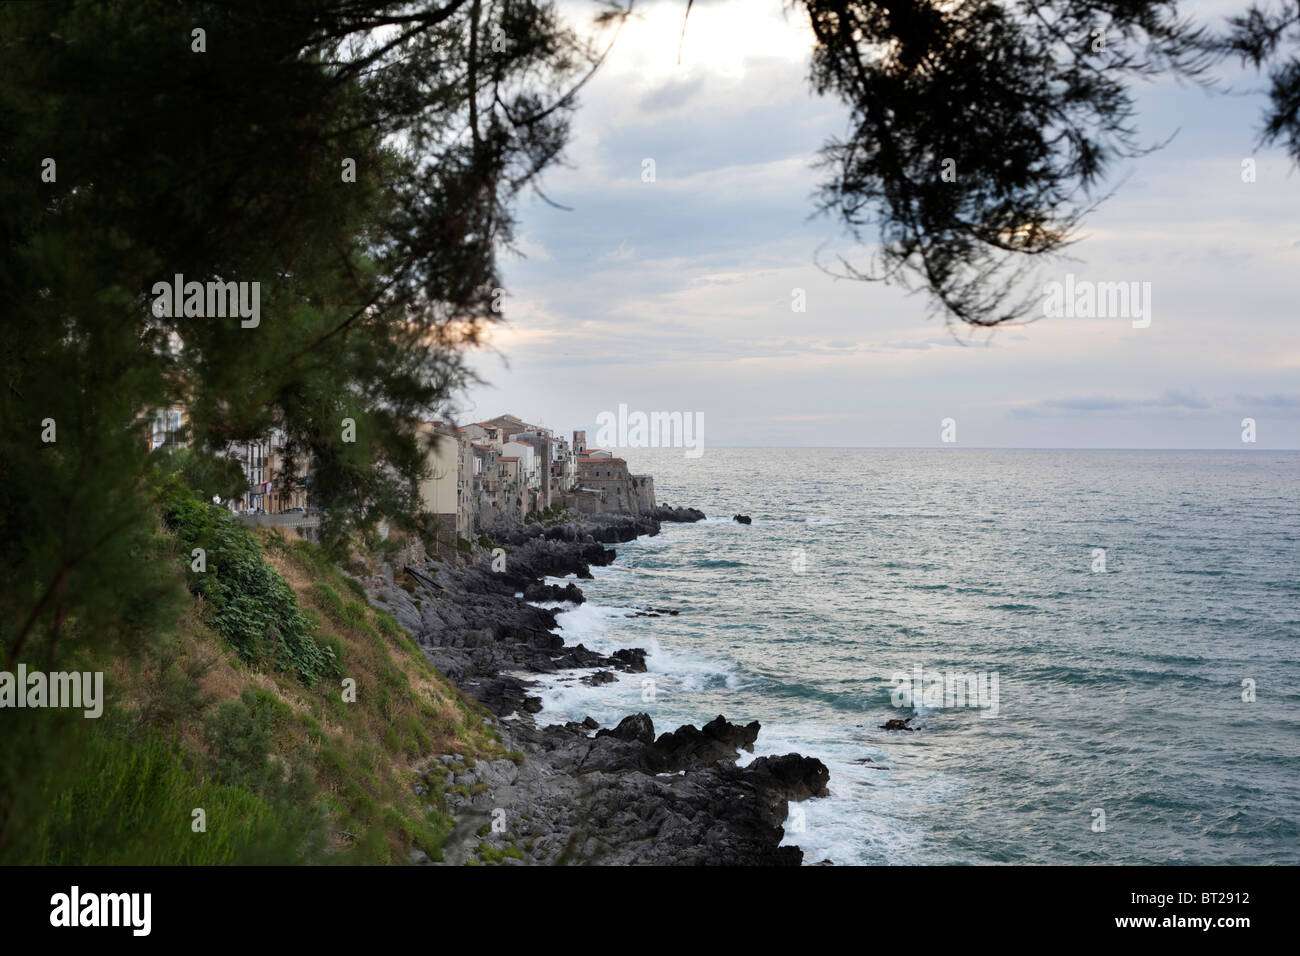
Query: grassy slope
(285, 770)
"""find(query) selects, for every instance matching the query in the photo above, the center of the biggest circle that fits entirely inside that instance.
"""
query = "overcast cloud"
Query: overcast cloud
(676, 295)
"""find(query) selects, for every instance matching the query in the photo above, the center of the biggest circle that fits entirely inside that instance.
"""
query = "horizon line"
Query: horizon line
(964, 447)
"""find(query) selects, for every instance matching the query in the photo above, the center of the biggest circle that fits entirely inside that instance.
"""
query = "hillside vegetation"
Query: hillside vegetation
(245, 711)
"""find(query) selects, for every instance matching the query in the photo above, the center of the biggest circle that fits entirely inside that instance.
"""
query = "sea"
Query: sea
(1098, 651)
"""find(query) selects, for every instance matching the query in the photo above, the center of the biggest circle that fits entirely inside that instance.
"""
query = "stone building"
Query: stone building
(448, 490)
(604, 485)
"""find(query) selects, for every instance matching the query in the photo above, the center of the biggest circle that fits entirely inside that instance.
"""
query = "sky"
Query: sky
(676, 295)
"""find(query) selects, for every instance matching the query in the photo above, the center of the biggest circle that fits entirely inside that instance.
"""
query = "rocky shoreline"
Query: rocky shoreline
(583, 794)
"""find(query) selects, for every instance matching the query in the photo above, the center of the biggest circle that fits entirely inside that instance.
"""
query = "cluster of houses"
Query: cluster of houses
(273, 488)
(486, 476)
(494, 474)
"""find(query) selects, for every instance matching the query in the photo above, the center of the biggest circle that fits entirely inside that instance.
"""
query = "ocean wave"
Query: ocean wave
(594, 625)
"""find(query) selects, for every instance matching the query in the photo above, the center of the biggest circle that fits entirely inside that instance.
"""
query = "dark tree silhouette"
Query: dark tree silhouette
(1022, 105)
(1257, 36)
(219, 155)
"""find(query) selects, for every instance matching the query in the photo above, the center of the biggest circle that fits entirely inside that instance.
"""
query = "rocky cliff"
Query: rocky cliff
(581, 793)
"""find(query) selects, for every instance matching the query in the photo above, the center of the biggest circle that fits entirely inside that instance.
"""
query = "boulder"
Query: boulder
(635, 727)
(537, 591)
(687, 747)
(685, 515)
(898, 723)
(630, 659)
(790, 776)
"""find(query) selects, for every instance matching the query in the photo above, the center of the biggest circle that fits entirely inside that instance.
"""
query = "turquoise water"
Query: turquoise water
(1118, 691)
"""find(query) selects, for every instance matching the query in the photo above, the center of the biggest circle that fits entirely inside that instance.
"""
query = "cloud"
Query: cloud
(530, 248)
(1270, 401)
(1170, 400)
(672, 95)
(622, 254)
(678, 293)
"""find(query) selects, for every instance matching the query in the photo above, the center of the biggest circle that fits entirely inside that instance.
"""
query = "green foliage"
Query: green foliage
(494, 854)
(132, 802)
(238, 736)
(371, 291)
(225, 165)
(173, 696)
(330, 598)
(248, 603)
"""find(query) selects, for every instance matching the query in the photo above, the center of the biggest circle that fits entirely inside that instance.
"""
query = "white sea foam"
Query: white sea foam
(866, 817)
(596, 626)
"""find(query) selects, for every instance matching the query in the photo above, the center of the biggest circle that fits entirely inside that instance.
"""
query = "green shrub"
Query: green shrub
(355, 614)
(133, 801)
(239, 742)
(331, 599)
(247, 601)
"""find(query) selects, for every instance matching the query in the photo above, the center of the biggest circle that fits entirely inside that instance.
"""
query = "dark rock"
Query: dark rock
(598, 678)
(665, 513)
(635, 727)
(791, 776)
(733, 735)
(540, 592)
(630, 659)
(898, 723)
(687, 747)
(655, 612)
(619, 797)
(742, 519)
